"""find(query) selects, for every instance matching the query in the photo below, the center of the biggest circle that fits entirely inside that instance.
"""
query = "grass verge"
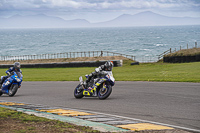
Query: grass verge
(168, 72)
(17, 122)
(185, 52)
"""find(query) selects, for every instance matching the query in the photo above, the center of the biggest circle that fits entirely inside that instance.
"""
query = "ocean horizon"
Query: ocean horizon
(146, 43)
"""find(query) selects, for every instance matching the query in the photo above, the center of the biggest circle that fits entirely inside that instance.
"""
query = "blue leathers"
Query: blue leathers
(8, 72)
(11, 69)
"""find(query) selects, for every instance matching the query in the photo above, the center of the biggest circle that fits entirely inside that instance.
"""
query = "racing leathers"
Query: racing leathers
(99, 72)
(9, 72)
(96, 72)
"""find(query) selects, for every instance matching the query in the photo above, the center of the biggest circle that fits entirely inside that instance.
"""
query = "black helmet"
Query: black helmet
(17, 65)
(109, 65)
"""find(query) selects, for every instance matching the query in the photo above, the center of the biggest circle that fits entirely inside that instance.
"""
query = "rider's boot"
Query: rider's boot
(2, 79)
(83, 84)
(95, 93)
(89, 77)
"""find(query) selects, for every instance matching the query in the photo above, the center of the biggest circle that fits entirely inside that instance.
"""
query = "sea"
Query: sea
(145, 43)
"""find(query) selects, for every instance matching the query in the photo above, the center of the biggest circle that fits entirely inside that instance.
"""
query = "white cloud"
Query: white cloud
(80, 8)
(103, 4)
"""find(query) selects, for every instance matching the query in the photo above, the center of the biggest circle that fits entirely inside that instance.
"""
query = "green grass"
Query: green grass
(179, 72)
(185, 72)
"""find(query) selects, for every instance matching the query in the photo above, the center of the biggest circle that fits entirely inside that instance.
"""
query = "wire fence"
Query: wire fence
(64, 55)
(144, 59)
(172, 51)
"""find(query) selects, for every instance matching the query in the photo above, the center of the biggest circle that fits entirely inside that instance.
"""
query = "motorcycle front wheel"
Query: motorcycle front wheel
(13, 89)
(104, 91)
(78, 92)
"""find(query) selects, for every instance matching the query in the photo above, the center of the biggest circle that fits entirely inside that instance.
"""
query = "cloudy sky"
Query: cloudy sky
(98, 10)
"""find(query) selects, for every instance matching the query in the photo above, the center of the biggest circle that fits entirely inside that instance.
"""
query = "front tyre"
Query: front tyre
(78, 92)
(104, 91)
(13, 89)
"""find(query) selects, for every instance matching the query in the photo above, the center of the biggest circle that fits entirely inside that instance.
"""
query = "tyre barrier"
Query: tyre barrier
(181, 59)
(116, 63)
(135, 63)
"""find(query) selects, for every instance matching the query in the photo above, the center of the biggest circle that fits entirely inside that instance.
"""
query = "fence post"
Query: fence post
(195, 44)
(101, 53)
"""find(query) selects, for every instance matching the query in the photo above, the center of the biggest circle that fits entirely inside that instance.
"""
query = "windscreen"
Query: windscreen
(19, 74)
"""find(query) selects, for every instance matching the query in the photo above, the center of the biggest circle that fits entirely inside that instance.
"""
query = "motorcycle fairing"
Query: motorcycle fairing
(8, 82)
(86, 93)
(89, 93)
(6, 85)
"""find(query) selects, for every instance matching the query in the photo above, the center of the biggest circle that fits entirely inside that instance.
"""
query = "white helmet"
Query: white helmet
(109, 65)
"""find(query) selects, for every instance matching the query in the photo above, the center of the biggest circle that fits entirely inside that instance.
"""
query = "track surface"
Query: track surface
(165, 102)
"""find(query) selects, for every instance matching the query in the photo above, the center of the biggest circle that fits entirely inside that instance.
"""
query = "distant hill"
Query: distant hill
(149, 19)
(41, 21)
(141, 19)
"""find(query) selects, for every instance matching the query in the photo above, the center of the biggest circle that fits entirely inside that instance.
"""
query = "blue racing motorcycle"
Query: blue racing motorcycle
(11, 84)
(103, 84)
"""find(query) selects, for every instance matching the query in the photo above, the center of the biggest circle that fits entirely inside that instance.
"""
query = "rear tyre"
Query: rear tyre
(78, 92)
(104, 91)
(0, 91)
(13, 89)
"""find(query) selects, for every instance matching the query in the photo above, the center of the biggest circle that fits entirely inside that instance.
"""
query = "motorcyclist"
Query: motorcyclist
(15, 68)
(108, 66)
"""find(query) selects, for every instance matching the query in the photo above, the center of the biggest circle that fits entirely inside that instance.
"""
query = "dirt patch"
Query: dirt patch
(10, 125)
(67, 60)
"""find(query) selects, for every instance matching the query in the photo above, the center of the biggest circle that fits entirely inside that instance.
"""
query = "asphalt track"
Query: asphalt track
(164, 102)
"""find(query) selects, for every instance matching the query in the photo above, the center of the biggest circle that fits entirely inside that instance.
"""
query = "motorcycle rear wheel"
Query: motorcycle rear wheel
(13, 89)
(104, 93)
(78, 92)
(1, 93)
